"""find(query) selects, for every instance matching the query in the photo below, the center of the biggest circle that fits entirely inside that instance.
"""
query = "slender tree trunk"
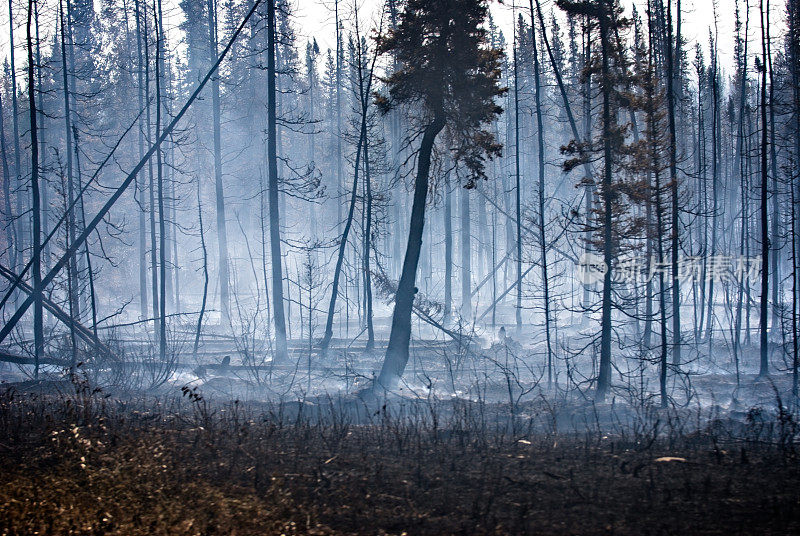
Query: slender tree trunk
(673, 171)
(604, 375)
(72, 274)
(10, 223)
(590, 190)
(364, 96)
(703, 176)
(199, 328)
(518, 309)
(448, 246)
(139, 187)
(774, 240)
(281, 352)
(740, 171)
(542, 238)
(339, 174)
(662, 302)
(364, 92)
(648, 290)
(794, 43)
(87, 252)
(794, 215)
(151, 183)
(367, 250)
(162, 231)
(174, 225)
(465, 232)
(17, 254)
(343, 242)
(653, 127)
(481, 235)
(222, 232)
(38, 330)
(43, 184)
(764, 312)
(715, 134)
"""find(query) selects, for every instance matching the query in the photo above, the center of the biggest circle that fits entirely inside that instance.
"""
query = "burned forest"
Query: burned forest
(400, 267)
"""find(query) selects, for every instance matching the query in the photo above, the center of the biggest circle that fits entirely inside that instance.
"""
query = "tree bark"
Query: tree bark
(604, 375)
(542, 238)
(397, 351)
(764, 312)
(281, 352)
(673, 170)
(38, 330)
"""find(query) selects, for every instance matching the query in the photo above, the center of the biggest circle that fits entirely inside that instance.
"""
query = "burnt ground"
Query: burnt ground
(88, 463)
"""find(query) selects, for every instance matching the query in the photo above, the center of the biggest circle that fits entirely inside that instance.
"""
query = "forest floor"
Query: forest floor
(86, 462)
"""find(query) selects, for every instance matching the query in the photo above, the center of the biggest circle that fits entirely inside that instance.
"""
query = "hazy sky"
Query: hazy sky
(314, 19)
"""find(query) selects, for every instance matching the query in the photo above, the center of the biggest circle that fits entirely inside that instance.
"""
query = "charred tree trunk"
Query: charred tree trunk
(281, 352)
(604, 374)
(517, 185)
(20, 246)
(673, 171)
(139, 187)
(38, 330)
(542, 238)
(9, 223)
(764, 310)
(199, 328)
(162, 231)
(397, 351)
(72, 272)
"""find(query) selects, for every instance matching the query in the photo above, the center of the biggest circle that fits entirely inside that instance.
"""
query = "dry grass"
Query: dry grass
(91, 464)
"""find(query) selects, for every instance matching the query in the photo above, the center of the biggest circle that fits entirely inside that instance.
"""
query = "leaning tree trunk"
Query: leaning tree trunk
(397, 351)
(364, 92)
(337, 273)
